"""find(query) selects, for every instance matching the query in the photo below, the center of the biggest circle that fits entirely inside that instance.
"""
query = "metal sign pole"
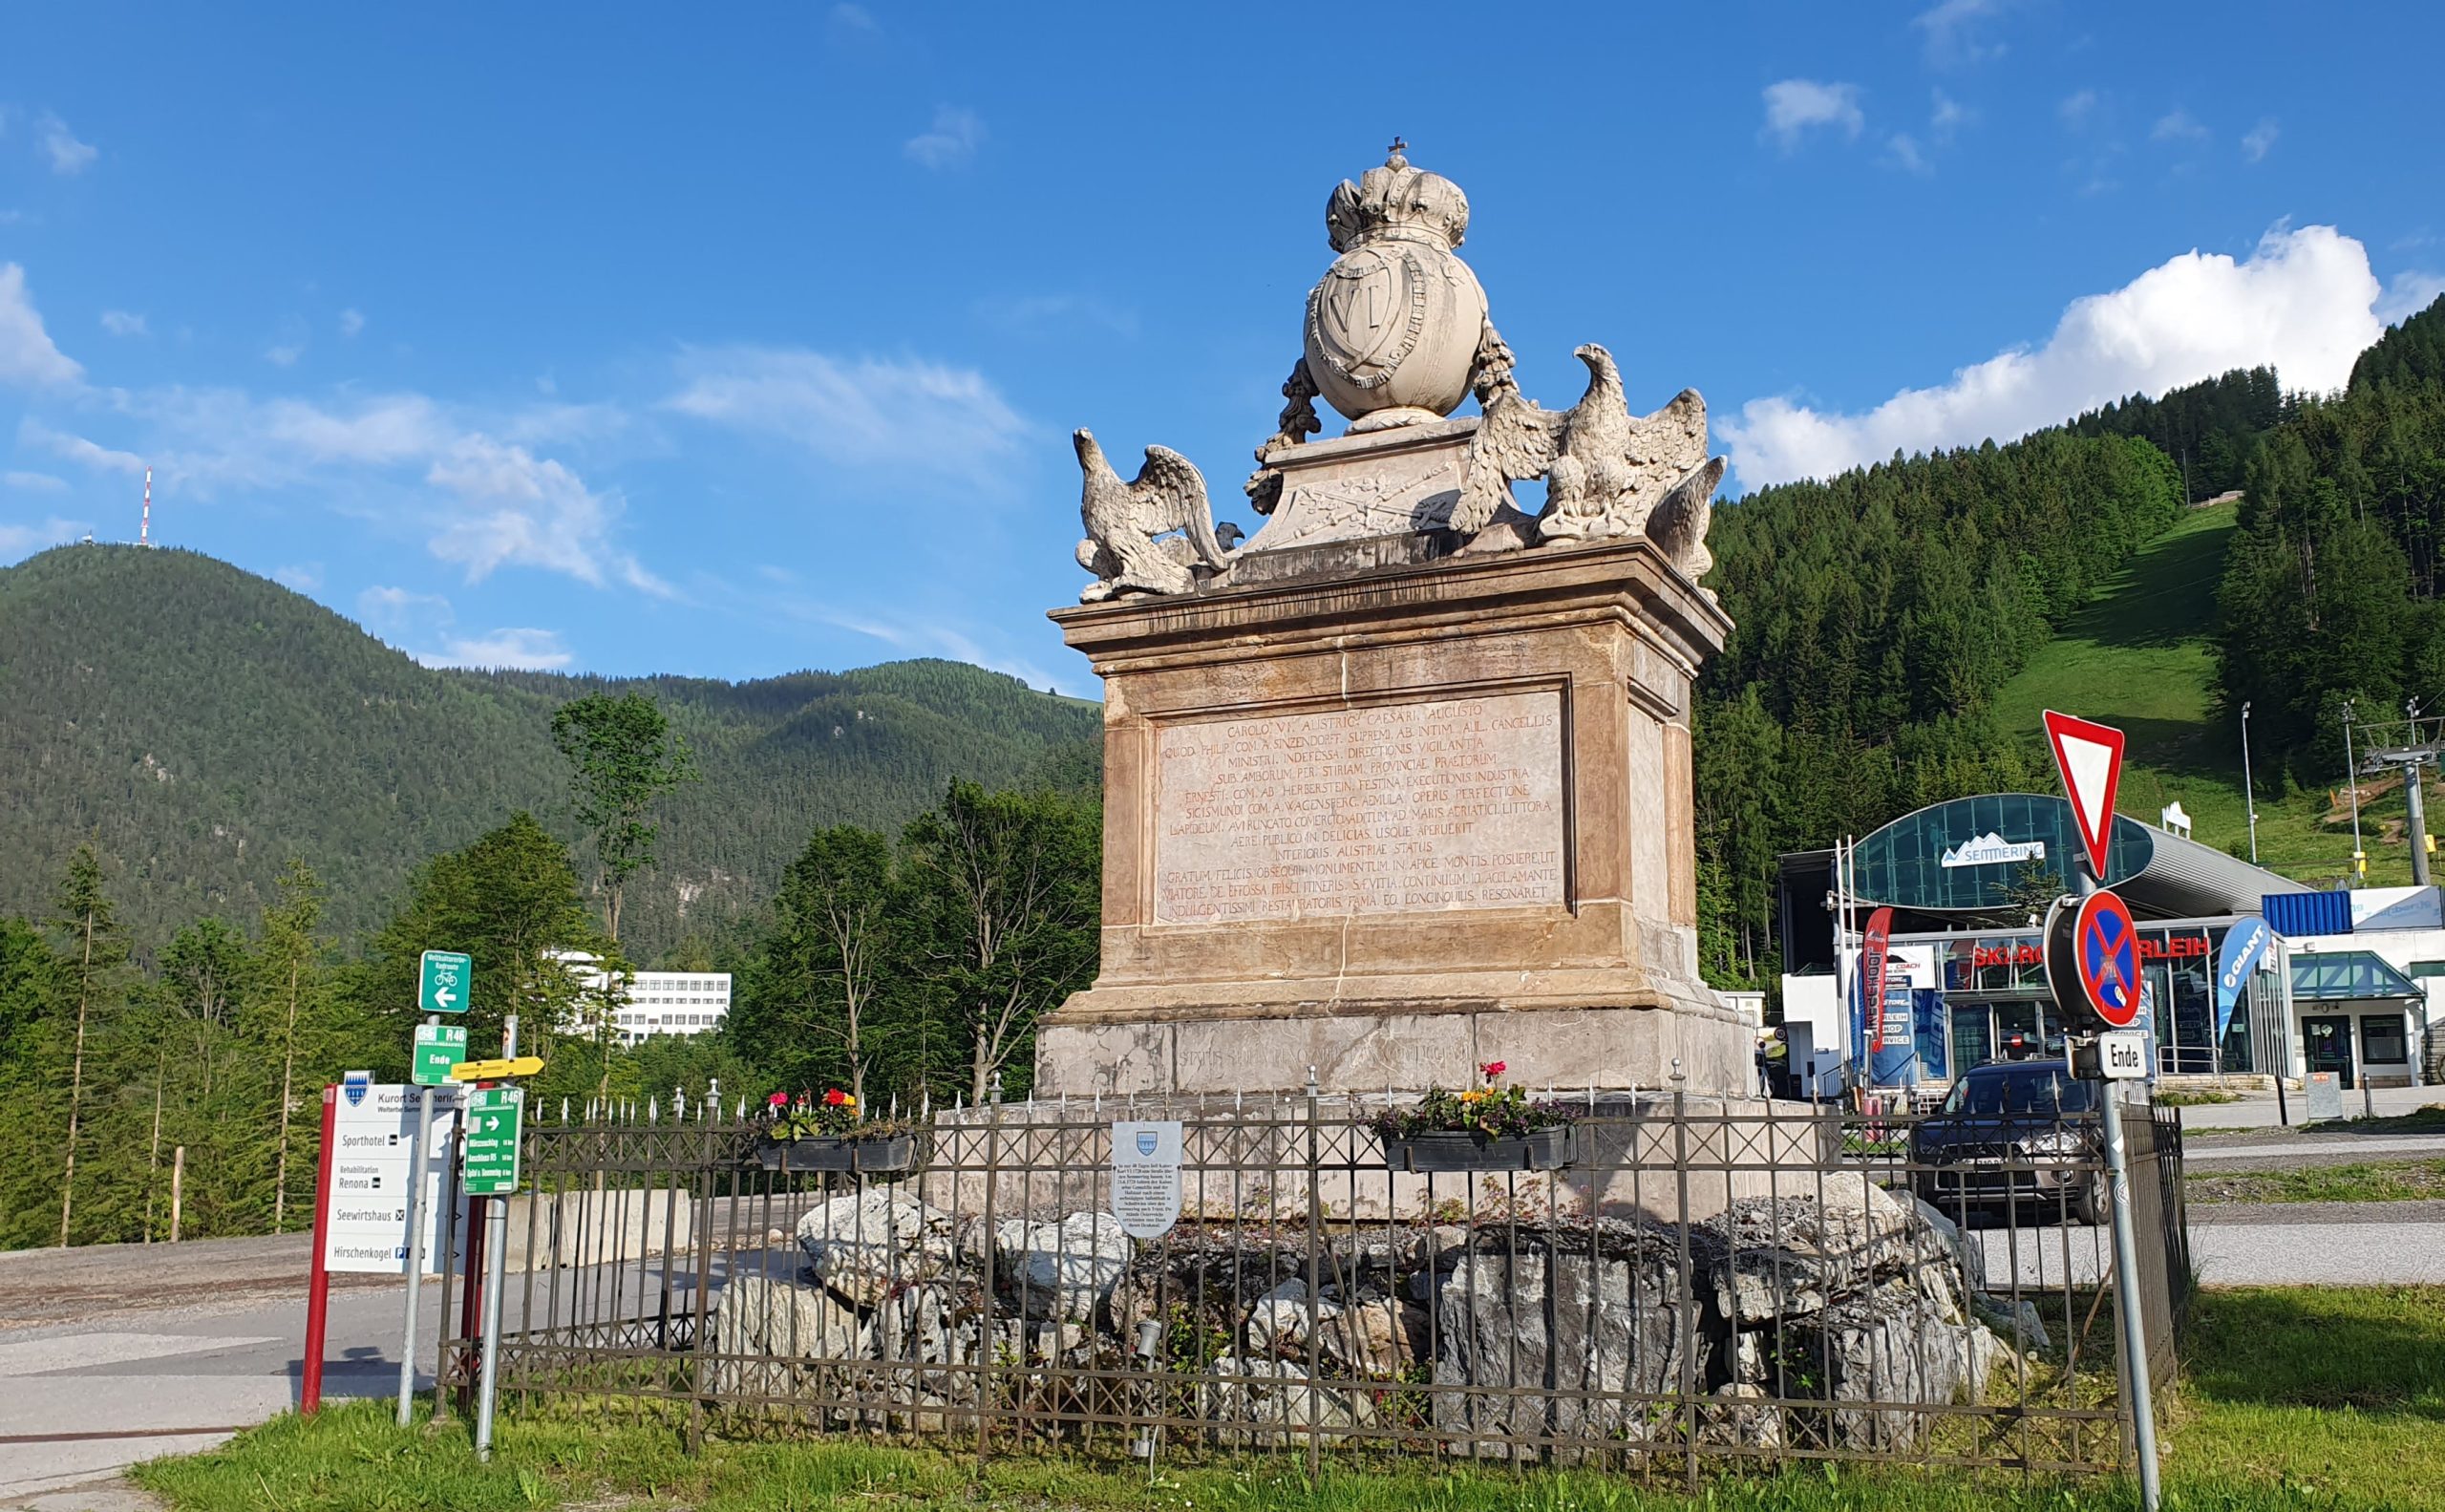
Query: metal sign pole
(496, 1225)
(420, 1140)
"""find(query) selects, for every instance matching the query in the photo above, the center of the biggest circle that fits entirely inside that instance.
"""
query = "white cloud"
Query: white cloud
(285, 354)
(2303, 301)
(869, 413)
(2410, 292)
(1904, 151)
(2178, 125)
(2259, 139)
(1951, 31)
(1948, 116)
(86, 453)
(28, 357)
(351, 321)
(33, 482)
(391, 612)
(306, 577)
(68, 155)
(2077, 109)
(953, 141)
(524, 650)
(855, 19)
(518, 509)
(1031, 312)
(1797, 106)
(23, 541)
(122, 323)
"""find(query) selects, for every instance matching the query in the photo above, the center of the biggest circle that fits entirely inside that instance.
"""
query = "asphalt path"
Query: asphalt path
(115, 1354)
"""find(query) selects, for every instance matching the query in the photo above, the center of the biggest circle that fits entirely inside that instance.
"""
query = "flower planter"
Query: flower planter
(886, 1156)
(1457, 1150)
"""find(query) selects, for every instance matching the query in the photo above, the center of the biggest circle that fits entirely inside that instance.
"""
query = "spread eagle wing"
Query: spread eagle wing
(1672, 442)
(1169, 494)
(1515, 441)
(1679, 520)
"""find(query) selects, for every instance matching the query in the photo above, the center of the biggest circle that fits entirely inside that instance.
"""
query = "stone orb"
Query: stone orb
(1395, 325)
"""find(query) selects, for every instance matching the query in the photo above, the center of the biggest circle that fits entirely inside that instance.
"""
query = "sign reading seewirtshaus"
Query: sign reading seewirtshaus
(1385, 808)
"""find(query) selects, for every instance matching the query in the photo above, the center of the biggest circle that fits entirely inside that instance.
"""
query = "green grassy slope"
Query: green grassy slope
(2139, 657)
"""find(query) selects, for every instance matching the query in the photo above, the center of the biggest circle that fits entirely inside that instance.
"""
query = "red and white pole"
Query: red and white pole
(144, 531)
(318, 1288)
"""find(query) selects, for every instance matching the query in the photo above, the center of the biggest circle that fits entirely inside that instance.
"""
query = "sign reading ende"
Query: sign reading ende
(1389, 808)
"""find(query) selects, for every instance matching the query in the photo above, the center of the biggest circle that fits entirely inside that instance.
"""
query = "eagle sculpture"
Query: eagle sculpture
(1607, 472)
(1125, 522)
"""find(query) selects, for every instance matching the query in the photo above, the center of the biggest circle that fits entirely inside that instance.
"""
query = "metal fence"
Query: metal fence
(1701, 1284)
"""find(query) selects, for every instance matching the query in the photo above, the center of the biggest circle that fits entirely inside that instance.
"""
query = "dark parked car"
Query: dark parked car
(2013, 1132)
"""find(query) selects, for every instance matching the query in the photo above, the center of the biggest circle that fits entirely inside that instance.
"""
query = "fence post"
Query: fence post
(1315, 1328)
(1687, 1325)
(989, 1335)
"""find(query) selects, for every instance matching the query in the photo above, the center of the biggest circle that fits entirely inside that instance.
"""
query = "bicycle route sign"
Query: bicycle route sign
(491, 1140)
(439, 1047)
(443, 978)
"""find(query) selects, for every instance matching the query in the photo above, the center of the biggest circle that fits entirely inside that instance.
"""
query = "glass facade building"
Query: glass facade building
(1987, 853)
(1996, 999)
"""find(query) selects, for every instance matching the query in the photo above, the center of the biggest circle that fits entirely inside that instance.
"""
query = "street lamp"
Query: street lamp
(2250, 795)
(2352, 774)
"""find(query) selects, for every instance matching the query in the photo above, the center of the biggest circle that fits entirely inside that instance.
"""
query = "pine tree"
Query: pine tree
(83, 911)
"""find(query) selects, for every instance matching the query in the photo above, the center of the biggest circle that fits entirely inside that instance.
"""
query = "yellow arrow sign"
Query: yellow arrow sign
(496, 1070)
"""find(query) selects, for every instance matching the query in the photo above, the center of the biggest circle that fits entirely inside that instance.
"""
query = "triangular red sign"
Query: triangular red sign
(2089, 755)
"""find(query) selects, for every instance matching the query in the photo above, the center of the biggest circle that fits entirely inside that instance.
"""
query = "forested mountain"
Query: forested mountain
(2330, 589)
(1878, 614)
(2208, 429)
(204, 725)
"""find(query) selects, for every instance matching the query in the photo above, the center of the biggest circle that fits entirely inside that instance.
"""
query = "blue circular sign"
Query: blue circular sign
(2106, 949)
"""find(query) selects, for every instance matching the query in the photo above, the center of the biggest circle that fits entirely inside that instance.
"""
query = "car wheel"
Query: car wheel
(2089, 1206)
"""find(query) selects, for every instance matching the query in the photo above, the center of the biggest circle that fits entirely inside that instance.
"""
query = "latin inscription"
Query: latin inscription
(1392, 808)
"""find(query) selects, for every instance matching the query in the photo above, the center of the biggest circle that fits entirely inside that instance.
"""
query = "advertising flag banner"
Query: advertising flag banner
(1875, 948)
(2243, 944)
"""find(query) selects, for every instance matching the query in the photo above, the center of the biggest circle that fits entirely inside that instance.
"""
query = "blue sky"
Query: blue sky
(735, 340)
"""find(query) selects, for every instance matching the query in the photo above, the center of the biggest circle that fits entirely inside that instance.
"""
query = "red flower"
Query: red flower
(835, 1097)
(779, 1099)
(1493, 1069)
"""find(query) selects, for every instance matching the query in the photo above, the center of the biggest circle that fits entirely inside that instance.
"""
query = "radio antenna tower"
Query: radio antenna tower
(144, 531)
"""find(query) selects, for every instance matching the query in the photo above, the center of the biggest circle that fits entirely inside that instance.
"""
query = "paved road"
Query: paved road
(2285, 1150)
(208, 1337)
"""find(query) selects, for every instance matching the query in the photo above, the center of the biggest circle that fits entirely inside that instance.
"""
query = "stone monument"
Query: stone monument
(1401, 783)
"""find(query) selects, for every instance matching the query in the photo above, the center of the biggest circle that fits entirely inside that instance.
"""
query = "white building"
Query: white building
(660, 1002)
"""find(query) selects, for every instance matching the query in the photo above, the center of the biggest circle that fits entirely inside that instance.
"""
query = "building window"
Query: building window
(2382, 1040)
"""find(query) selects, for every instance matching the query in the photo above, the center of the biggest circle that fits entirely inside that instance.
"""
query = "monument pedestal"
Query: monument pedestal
(1392, 813)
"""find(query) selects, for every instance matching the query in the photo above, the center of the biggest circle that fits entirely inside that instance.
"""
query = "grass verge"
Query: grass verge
(2377, 1182)
(2195, 1099)
(2298, 1400)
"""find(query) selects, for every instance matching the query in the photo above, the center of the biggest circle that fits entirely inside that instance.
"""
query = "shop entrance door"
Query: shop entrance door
(2328, 1038)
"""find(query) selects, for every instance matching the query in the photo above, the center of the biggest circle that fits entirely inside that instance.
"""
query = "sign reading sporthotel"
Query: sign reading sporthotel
(1386, 808)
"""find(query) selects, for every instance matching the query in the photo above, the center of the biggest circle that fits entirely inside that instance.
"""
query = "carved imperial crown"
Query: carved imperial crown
(1397, 199)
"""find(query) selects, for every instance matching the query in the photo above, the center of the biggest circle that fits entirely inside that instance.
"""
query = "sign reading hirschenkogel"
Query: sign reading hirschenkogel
(1146, 1177)
(372, 1144)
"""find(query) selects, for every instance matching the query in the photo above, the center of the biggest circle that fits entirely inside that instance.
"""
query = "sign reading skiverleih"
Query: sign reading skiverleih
(1146, 1177)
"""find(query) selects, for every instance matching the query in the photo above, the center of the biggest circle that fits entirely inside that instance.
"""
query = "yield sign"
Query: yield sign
(2090, 758)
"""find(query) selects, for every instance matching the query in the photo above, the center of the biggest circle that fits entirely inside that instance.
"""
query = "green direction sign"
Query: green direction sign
(493, 1117)
(443, 983)
(438, 1048)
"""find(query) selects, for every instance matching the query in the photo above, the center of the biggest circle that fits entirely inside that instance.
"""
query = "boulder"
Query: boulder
(1892, 1347)
(1277, 1402)
(1278, 1322)
(1559, 1323)
(773, 1331)
(872, 1241)
(1064, 1269)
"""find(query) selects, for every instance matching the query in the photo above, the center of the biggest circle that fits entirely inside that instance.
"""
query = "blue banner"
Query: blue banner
(2243, 944)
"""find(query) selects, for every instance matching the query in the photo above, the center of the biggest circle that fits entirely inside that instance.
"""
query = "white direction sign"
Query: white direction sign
(1146, 1177)
(2123, 1054)
(372, 1138)
(2090, 758)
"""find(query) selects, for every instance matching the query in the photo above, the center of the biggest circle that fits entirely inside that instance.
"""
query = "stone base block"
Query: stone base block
(1390, 1049)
